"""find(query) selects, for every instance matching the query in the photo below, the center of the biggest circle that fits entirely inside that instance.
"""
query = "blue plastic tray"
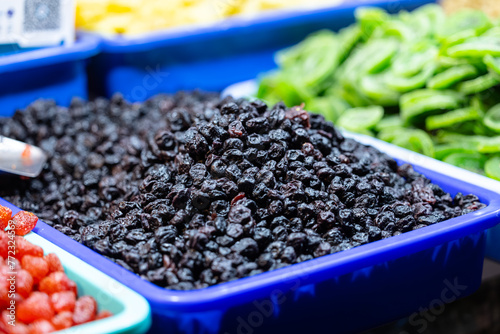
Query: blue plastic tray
(249, 88)
(493, 244)
(53, 73)
(344, 292)
(211, 58)
(131, 312)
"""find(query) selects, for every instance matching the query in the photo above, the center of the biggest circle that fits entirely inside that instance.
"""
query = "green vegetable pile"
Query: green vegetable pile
(421, 80)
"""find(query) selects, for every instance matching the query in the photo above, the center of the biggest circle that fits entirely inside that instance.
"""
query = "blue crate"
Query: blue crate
(493, 244)
(346, 292)
(57, 73)
(211, 58)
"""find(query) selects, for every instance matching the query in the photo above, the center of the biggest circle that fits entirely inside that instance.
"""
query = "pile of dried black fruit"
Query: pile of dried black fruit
(189, 191)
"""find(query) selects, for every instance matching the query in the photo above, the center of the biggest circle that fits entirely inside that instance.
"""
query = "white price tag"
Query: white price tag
(37, 23)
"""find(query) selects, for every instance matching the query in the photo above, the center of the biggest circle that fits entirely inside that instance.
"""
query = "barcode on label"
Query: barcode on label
(42, 15)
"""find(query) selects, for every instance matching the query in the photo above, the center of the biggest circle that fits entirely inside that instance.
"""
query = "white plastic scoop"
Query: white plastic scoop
(20, 158)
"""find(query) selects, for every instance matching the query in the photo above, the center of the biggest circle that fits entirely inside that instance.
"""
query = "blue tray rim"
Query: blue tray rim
(85, 46)
(227, 27)
(309, 271)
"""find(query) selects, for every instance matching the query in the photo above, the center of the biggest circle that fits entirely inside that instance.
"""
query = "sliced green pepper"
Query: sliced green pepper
(395, 29)
(452, 118)
(442, 151)
(369, 18)
(476, 47)
(435, 16)
(348, 37)
(492, 168)
(451, 76)
(357, 119)
(492, 118)
(462, 24)
(403, 84)
(389, 122)
(329, 106)
(375, 56)
(409, 62)
(489, 145)
(389, 134)
(420, 103)
(447, 137)
(375, 88)
(470, 161)
(492, 32)
(479, 84)
(493, 63)
(415, 140)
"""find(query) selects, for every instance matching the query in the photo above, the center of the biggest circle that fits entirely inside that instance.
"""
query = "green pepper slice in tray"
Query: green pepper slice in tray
(493, 32)
(282, 86)
(424, 20)
(492, 168)
(395, 29)
(348, 38)
(418, 104)
(492, 118)
(452, 118)
(411, 60)
(488, 144)
(415, 140)
(390, 133)
(375, 88)
(307, 60)
(331, 107)
(451, 76)
(479, 84)
(358, 119)
(369, 18)
(476, 47)
(470, 161)
(289, 57)
(463, 24)
(483, 144)
(370, 58)
(404, 84)
(390, 122)
(493, 63)
(444, 150)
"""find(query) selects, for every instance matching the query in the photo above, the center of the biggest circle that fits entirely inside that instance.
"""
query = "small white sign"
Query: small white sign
(37, 23)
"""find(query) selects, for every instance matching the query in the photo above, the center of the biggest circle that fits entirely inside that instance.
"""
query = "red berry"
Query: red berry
(4, 244)
(53, 262)
(4, 322)
(4, 293)
(85, 310)
(24, 222)
(63, 301)
(41, 327)
(36, 266)
(24, 283)
(5, 217)
(19, 328)
(57, 282)
(36, 307)
(24, 247)
(103, 315)
(63, 320)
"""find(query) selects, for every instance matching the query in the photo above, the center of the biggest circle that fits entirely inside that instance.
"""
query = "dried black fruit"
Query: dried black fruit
(189, 191)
